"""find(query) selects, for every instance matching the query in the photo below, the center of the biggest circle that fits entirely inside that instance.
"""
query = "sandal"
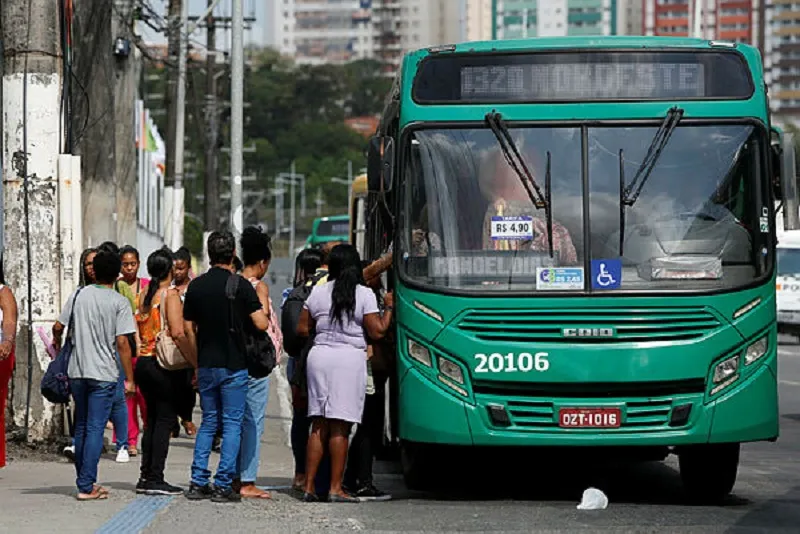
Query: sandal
(190, 428)
(342, 498)
(258, 494)
(100, 489)
(95, 495)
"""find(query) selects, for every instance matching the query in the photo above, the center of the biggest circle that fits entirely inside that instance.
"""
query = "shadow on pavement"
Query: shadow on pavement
(782, 512)
(544, 479)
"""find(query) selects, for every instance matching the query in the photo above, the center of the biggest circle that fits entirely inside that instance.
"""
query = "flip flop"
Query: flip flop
(261, 495)
(100, 489)
(93, 496)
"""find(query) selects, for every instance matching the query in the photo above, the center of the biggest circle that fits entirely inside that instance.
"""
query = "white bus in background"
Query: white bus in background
(787, 288)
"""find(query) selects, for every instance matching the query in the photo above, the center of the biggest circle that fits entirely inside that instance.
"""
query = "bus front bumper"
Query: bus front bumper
(747, 411)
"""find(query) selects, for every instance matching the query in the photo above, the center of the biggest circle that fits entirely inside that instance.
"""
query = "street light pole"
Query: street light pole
(237, 117)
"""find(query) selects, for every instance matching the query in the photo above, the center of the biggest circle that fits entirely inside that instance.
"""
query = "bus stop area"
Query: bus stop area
(529, 493)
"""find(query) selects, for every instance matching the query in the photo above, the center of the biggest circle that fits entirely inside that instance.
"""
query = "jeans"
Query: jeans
(93, 400)
(252, 428)
(119, 415)
(301, 426)
(223, 397)
(158, 387)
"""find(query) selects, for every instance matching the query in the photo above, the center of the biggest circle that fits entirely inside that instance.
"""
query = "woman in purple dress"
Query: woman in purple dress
(338, 314)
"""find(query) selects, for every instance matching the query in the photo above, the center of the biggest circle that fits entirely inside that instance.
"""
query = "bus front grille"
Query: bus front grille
(641, 414)
(628, 325)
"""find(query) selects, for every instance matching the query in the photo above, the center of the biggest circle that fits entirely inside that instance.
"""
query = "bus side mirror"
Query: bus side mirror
(776, 154)
(380, 164)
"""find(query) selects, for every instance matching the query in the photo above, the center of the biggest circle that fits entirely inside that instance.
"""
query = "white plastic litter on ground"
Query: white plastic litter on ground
(593, 499)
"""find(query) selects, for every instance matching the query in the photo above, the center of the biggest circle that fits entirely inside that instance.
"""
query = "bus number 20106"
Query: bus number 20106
(511, 363)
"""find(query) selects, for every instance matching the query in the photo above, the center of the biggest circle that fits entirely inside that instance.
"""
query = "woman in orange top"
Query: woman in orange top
(156, 383)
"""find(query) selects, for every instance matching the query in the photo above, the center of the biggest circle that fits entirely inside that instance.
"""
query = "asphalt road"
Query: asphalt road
(536, 493)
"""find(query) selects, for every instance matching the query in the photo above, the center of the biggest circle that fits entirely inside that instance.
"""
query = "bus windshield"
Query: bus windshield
(699, 223)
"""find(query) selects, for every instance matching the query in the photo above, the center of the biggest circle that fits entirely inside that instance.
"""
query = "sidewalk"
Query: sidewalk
(39, 496)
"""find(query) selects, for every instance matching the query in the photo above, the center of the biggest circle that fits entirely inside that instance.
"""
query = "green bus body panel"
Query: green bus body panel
(660, 350)
(316, 239)
(432, 412)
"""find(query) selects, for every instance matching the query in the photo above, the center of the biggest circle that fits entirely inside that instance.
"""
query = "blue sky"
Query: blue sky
(258, 35)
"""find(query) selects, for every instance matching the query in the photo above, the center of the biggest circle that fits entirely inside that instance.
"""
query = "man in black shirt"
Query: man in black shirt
(222, 367)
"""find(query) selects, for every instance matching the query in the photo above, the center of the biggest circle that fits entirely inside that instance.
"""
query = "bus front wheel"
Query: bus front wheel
(709, 471)
(417, 466)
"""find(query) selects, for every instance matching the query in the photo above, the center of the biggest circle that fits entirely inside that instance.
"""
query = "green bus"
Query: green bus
(583, 236)
(327, 229)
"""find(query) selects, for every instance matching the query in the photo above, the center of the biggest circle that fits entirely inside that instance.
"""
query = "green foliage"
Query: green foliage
(295, 114)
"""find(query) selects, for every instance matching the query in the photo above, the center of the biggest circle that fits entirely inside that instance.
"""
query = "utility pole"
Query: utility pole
(211, 186)
(175, 99)
(237, 116)
(31, 105)
(291, 216)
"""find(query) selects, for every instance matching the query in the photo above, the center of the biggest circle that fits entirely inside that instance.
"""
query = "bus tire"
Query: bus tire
(709, 472)
(416, 465)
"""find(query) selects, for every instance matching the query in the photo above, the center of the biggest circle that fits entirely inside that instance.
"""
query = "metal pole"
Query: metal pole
(176, 239)
(277, 231)
(349, 181)
(291, 217)
(237, 116)
(302, 196)
(211, 185)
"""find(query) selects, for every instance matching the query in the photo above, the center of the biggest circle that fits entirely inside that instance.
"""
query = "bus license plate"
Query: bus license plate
(589, 417)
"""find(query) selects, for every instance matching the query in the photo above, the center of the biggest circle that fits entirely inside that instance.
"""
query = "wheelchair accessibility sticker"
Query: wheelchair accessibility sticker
(606, 274)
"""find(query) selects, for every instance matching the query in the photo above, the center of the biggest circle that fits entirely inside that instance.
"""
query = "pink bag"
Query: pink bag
(274, 329)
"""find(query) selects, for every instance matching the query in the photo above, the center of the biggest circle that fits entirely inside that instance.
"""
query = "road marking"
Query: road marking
(789, 383)
(136, 516)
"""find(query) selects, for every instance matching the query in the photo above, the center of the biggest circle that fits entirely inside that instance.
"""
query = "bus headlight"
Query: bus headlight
(726, 369)
(755, 350)
(726, 373)
(419, 353)
(451, 370)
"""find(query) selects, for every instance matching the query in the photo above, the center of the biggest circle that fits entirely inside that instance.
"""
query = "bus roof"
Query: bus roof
(610, 41)
(333, 218)
(360, 185)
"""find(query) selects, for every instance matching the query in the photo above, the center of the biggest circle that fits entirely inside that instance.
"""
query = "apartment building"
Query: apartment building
(732, 20)
(336, 31)
(478, 21)
(515, 19)
(782, 61)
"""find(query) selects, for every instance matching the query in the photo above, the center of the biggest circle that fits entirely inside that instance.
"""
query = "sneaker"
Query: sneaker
(122, 456)
(69, 452)
(225, 495)
(199, 493)
(161, 488)
(370, 493)
(141, 486)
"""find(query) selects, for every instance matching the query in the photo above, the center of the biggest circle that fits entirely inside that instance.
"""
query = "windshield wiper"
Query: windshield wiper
(629, 193)
(510, 152)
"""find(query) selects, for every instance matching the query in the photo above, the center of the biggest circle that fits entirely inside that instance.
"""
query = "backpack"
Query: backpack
(55, 382)
(257, 347)
(290, 315)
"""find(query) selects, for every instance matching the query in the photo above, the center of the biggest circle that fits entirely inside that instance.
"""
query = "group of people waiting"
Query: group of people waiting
(120, 323)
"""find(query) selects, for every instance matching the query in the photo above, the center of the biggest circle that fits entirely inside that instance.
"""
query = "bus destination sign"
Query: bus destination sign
(576, 81)
(568, 76)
